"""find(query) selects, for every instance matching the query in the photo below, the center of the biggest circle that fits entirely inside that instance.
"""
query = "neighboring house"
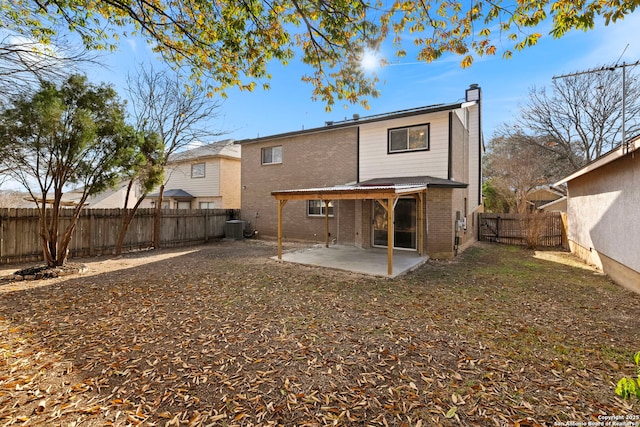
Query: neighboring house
(206, 177)
(111, 198)
(602, 208)
(544, 196)
(340, 181)
(558, 205)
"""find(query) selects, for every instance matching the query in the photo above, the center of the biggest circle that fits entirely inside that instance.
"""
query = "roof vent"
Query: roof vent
(356, 117)
(328, 122)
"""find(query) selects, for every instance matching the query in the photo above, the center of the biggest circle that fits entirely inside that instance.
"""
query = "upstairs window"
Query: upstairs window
(317, 208)
(413, 138)
(197, 170)
(272, 155)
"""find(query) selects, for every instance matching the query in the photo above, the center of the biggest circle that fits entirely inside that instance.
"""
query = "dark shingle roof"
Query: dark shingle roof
(173, 193)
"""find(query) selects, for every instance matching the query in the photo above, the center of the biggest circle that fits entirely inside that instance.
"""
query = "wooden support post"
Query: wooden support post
(390, 231)
(389, 206)
(326, 223)
(420, 223)
(281, 204)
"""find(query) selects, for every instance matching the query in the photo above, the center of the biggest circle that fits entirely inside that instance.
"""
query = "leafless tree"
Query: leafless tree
(180, 115)
(581, 116)
(517, 164)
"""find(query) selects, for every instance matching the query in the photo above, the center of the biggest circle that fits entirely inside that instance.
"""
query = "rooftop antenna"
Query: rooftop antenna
(624, 66)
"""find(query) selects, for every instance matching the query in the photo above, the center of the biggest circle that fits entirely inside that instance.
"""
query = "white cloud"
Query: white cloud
(133, 44)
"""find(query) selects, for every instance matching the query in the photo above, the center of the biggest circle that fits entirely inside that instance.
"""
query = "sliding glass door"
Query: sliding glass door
(404, 236)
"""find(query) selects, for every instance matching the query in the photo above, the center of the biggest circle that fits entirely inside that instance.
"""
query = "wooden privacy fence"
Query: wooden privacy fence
(97, 230)
(533, 230)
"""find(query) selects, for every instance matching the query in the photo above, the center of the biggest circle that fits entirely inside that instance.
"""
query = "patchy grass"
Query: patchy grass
(225, 336)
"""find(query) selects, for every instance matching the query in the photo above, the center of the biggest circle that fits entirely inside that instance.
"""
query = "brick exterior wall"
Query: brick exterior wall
(440, 222)
(230, 183)
(346, 221)
(309, 160)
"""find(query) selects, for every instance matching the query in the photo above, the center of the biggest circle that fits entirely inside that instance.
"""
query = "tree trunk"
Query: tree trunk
(44, 235)
(65, 240)
(126, 221)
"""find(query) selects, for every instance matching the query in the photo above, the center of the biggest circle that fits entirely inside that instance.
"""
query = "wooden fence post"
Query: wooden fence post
(565, 230)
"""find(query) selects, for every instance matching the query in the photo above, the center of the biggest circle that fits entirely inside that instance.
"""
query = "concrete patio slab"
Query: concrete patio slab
(350, 258)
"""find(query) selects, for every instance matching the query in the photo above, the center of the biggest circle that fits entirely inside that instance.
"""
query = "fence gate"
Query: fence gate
(534, 230)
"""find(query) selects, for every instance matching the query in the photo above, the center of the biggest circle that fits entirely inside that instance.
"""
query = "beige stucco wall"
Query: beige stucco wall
(603, 227)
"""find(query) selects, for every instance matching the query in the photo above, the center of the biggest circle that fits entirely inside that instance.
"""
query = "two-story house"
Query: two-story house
(341, 182)
(205, 177)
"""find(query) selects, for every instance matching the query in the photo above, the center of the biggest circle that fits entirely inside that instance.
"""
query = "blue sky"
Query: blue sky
(505, 84)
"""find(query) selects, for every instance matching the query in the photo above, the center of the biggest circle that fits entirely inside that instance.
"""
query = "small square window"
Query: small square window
(272, 155)
(197, 170)
(317, 208)
(414, 138)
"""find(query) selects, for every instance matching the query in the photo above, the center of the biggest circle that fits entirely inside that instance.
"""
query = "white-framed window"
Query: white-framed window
(272, 155)
(183, 205)
(411, 138)
(316, 208)
(206, 205)
(197, 170)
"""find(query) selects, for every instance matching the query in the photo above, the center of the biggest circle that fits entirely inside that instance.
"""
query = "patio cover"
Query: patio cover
(386, 195)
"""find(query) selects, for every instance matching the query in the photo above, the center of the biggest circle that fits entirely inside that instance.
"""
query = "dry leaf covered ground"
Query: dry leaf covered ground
(222, 335)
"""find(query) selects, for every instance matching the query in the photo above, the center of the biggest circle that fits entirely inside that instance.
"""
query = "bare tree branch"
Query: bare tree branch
(582, 115)
(24, 63)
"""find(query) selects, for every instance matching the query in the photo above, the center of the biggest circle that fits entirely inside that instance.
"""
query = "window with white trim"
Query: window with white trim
(206, 205)
(183, 205)
(197, 170)
(412, 138)
(317, 208)
(272, 155)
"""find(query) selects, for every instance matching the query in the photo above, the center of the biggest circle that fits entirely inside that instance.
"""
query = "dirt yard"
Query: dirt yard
(223, 335)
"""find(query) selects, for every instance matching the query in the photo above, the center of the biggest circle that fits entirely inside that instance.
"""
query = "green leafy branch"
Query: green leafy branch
(629, 387)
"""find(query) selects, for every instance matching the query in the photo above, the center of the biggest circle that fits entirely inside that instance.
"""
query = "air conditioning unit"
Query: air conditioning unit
(234, 229)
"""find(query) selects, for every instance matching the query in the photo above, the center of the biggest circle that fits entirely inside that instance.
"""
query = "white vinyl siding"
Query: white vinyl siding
(376, 162)
(179, 177)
